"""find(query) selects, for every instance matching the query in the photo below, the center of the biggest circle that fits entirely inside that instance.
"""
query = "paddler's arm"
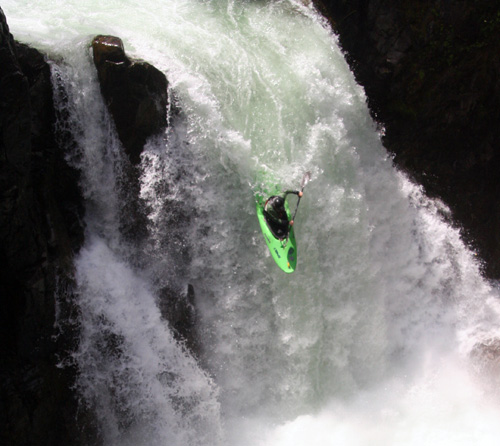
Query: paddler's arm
(299, 193)
(295, 192)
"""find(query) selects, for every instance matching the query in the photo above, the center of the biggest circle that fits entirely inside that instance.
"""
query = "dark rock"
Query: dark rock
(135, 93)
(40, 214)
(179, 310)
(430, 72)
(486, 359)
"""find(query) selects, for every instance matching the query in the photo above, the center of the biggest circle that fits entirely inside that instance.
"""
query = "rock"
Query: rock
(486, 359)
(135, 93)
(40, 214)
(430, 74)
(179, 310)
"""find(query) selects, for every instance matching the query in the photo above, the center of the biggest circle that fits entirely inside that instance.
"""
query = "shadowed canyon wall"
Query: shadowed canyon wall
(40, 229)
(431, 73)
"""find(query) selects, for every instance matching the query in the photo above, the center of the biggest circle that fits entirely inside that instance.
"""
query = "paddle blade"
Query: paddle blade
(305, 179)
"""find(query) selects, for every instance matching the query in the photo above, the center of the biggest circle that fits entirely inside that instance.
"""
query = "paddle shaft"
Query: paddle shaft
(305, 179)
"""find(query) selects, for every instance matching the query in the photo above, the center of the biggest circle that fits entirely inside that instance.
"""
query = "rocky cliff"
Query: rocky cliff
(135, 93)
(40, 229)
(430, 71)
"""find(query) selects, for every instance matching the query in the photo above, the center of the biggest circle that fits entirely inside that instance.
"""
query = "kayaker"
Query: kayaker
(275, 213)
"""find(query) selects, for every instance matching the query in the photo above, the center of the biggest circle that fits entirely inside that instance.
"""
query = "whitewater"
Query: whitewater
(372, 341)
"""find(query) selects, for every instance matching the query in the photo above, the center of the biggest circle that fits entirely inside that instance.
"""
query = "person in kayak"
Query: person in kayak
(275, 213)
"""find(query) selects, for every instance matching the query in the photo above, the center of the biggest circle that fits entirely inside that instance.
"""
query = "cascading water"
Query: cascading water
(143, 385)
(368, 342)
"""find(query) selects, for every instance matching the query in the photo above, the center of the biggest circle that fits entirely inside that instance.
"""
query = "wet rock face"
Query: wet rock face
(486, 360)
(179, 310)
(430, 71)
(40, 214)
(135, 93)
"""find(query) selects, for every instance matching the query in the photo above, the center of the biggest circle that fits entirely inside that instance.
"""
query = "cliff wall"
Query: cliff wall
(431, 70)
(40, 229)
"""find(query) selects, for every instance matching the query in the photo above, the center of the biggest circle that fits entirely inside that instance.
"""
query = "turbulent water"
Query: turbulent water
(368, 343)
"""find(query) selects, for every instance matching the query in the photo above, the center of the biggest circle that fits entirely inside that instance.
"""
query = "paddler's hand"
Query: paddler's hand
(301, 193)
(291, 223)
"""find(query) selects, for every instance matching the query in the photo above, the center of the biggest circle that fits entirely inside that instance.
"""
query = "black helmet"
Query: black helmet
(278, 202)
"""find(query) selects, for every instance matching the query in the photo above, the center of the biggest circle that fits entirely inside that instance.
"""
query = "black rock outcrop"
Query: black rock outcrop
(430, 72)
(135, 93)
(40, 214)
(179, 310)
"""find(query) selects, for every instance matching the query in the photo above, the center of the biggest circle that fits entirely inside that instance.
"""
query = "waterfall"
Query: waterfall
(144, 386)
(371, 341)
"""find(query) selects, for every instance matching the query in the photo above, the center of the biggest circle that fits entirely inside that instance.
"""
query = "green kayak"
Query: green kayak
(284, 251)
